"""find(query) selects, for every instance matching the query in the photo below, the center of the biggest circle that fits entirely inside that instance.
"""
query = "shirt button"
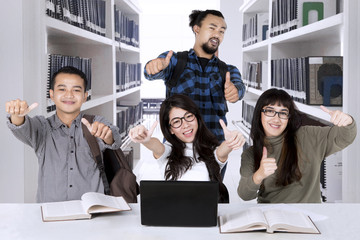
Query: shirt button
(71, 137)
(72, 151)
(71, 168)
(70, 186)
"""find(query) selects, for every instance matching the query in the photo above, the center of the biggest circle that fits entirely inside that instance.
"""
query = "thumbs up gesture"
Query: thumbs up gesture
(140, 134)
(337, 117)
(99, 130)
(230, 91)
(18, 109)
(157, 65)
(267, 168)
(233, 139)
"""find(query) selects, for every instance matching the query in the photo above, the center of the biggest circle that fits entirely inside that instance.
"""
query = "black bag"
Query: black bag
(179, 69)
(116, 174)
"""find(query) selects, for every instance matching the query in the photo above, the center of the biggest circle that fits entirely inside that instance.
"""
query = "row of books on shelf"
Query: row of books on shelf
(86, 14)
(56, 61)
(128, 116)
(310, 80)
(126, 29)
(253, 73)
(286, 15)
(255, 29)
(127, 76)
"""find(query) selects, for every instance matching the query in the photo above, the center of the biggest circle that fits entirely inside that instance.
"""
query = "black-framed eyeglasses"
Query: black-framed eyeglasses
(272, 113)
(177, 121)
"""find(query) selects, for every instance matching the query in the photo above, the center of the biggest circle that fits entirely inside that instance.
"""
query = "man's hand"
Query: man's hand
(140, 134)
(338, 118)
(230, 91)
(99, 130)
(18, 109)
(267, 168)
(157, 65)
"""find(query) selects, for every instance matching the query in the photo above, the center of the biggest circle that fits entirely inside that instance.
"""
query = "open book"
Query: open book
(89, 204)
(271, 220)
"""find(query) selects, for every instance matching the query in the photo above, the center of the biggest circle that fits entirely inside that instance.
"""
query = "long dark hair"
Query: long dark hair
(204, 142)
(288, 165)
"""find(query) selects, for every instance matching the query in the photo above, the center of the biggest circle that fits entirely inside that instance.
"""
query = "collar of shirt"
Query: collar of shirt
(57, 123)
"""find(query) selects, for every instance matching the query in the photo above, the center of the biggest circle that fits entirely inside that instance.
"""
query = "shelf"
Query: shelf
(125, 143)
(257, 47)
(96, 101)
(125, 47)
(127, 92)
(64, 33)
(127, 7)
(255, 6)
(328, 29)
(316, 110)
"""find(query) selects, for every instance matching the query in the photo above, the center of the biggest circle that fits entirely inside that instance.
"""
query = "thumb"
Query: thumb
(225, 129)
(264, 153)
(326, 110)
(29, 109)
(168, 57)
(227, 80)
(151, 130)
(86, 123)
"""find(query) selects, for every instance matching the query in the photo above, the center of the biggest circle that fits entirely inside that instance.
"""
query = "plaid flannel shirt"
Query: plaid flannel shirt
(204, 87)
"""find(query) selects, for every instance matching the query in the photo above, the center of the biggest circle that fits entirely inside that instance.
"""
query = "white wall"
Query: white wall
(11, 49)
(230, 49)
(164, 25)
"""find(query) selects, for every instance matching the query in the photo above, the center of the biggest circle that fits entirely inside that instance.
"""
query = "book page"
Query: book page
(247, 220)
(281, 220)
(64, 210)
(98, 202)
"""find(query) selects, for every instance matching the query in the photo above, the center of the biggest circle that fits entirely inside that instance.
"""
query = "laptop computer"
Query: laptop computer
(179, 203)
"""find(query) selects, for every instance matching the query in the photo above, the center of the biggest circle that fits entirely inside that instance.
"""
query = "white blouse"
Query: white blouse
(198, 171)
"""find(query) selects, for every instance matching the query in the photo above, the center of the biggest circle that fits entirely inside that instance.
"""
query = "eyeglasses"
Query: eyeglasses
(177, 121)
(272, 113)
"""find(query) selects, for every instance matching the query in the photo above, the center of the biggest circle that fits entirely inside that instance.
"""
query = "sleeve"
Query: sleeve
(164, 74)
(115, 132)
(235, 78)
(162, 161)
(328, 140)
(221, 164)
(247, 189)
(32, 132)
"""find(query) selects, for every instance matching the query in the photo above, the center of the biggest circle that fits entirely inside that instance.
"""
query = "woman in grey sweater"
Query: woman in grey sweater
(283, 165)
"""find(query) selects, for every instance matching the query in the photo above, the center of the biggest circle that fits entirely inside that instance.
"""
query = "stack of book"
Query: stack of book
(255, 29)
(127, 76)
(126, 29)
(56, 62)
(86, 14)
(310, 80)
(128, 116)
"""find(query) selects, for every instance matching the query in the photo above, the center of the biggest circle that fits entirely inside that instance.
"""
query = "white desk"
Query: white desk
(23, 221)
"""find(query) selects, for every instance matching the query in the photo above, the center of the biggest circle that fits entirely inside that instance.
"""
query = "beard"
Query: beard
(208, 49)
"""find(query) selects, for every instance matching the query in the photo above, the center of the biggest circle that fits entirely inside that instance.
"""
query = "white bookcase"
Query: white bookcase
(42, 35)
(333, 36)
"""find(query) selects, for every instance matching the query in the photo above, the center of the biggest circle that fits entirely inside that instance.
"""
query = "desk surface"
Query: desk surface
(23, 221)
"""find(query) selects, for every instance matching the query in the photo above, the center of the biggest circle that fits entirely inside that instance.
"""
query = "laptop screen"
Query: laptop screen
(179, 203)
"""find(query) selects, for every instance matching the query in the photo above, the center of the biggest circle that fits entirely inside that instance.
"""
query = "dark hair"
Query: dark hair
(288, 166)
(70, 70)
(197, 16)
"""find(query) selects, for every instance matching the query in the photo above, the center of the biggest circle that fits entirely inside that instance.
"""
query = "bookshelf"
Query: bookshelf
(41, 35)
(333, 36)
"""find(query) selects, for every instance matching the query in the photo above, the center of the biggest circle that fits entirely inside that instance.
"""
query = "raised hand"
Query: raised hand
(233, 139)
(337, 117)
(19, 108)
(267, 168)
(230, 91)
(157, 65)
(99, 130)
(140, 134)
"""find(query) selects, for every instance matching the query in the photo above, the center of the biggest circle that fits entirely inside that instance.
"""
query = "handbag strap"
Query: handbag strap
(95, 150)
